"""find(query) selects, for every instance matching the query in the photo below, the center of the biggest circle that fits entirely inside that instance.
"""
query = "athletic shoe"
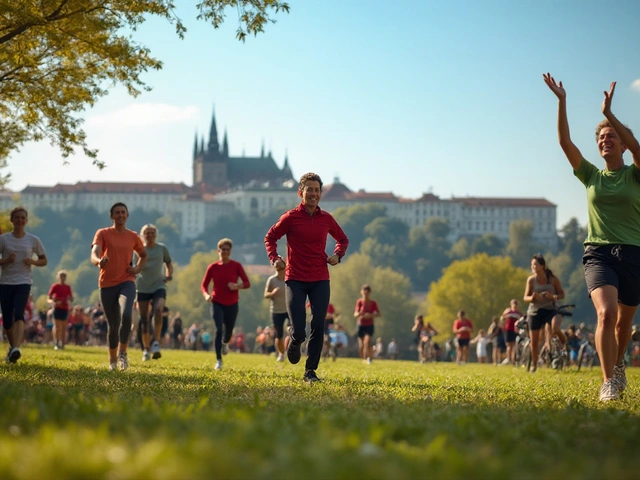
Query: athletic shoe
(533, 369)
(218, 365)
(506, 361)
(225, 349)
(609, 391)
(6, 359)
(619, 374)
(123, 361)
(155, 349)
(146, 356)
(368, 361)
(293, 352)
(14, 355)
(310, 376)
(280, 358)
(56, 346)
(113, 367)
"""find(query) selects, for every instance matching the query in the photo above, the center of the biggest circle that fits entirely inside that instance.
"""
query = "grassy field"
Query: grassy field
(63, 415)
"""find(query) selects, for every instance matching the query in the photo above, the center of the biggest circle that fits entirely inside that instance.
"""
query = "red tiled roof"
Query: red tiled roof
(362, 195)
(335, 191)
(111, 187)
(503, 202)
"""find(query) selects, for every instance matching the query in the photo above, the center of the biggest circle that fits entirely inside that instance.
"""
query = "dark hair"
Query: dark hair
(461, 313)
(17, 210)
(309, 177)
(540, 259)
(366, 287)
(118, 204)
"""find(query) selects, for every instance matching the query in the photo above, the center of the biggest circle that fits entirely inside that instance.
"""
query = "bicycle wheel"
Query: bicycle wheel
(526, 356)
(581, 356)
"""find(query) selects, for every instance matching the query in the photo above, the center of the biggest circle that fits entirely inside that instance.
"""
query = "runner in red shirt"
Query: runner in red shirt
(307, 274)
(224, 274)
(366, 310)
(510, 316)
(59, 297)
(463, 328)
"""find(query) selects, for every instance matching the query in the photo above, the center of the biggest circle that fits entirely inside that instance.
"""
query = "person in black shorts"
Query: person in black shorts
(612, 248)
(274, 290)
(366, 310)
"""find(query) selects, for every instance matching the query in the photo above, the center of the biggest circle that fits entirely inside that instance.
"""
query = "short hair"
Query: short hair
(366, 287)
(146, 227)
(116, 205)
(461, 313)
(605, 124)
(309, 177)
(225, 241)
(61, 272)
(18, 210)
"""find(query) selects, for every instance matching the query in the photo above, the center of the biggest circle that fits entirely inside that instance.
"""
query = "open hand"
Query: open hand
(556, 88)
(608, 97)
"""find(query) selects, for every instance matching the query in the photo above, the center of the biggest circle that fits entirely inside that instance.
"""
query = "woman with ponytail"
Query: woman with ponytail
(542, 291)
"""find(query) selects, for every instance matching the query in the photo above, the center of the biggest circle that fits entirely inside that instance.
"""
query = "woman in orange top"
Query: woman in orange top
(112, 251)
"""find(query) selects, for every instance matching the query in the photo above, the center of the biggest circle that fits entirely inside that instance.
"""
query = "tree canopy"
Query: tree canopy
(58, 57)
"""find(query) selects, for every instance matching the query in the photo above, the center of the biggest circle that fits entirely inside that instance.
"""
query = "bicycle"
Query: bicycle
(428, 352)
(586, 355)
(522, 353)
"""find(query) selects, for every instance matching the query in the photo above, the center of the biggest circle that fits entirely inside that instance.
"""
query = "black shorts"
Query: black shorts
(365, 330)
(278, 320)
(510, 336)
(463, 342)
(152, 297)
(616, 265)
(60, 314)
(165, 326)
(540, 319)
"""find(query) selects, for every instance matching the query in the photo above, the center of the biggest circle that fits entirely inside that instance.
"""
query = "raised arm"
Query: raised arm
(626, 137)
(564, 136)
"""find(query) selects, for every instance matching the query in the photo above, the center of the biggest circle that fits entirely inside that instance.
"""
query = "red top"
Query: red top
(60, 293)
(76, 319)
(370, 307)
(511, 317)
(465, 322)
(222, 274)
(306, 243)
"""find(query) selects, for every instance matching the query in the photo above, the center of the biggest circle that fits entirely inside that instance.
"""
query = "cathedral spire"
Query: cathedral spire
(202, 145)
(286, 168)
(262, 150)
(195, 146)
(214, 146)
(225, 145)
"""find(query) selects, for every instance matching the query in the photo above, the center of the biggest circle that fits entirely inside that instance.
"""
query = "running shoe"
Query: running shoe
(310, 376)
(609, 391)
(368, 361)
(293, 352)
(113, 367)
(155, 349)
(218, 365)
(146, 356)
(123, 361)
(14, 355)
(6, 359)
(280, 358)
(56, 346)
(620, 375)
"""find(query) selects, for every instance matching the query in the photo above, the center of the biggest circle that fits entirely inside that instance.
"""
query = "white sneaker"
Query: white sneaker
(609, 391)
(14, 355)
(368, 361)
(280, 358)
(146, 356)
(155, 349)
(619, 374)
(113, 367)
(218, 365)
(123, 361)
(506, 361)
(56, 346)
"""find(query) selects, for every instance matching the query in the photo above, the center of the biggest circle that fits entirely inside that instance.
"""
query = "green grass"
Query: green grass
(63, 415)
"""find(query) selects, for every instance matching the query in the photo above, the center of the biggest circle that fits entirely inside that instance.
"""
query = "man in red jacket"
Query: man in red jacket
(307, 274)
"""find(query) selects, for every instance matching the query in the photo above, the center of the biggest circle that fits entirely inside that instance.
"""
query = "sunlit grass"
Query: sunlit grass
(64, 415)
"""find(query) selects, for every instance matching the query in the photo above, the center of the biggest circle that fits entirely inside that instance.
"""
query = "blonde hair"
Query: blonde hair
(147, 227)
(225, 241)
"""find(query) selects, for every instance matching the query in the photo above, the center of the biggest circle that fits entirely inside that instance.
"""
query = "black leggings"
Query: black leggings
(224, 316)
(117, 303)
(13, 301)
(296, 295)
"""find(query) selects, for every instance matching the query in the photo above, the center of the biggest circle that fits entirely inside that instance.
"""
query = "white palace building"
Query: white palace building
(195, 208)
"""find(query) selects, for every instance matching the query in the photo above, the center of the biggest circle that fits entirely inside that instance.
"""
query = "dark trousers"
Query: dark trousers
(224, 316)
(117, 303)
(296, 295)
(13, 301)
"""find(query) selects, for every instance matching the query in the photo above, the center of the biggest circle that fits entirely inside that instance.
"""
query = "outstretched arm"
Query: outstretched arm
(564, 136)
(623, 132)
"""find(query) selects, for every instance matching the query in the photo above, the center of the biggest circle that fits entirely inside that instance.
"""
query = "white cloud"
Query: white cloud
(636, 85)
(142, 115)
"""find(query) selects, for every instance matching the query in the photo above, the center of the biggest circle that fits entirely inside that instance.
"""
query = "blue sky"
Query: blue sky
(400, 96)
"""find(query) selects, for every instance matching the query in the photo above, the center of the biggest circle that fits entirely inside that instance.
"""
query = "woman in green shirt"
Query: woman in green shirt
(612, 248)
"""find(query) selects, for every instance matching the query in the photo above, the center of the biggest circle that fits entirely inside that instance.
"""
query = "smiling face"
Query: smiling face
(19, 219)
(536, 267)
(150, 235)
(119, 216)
(609, 144)
(311, 193)
(224, 252)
